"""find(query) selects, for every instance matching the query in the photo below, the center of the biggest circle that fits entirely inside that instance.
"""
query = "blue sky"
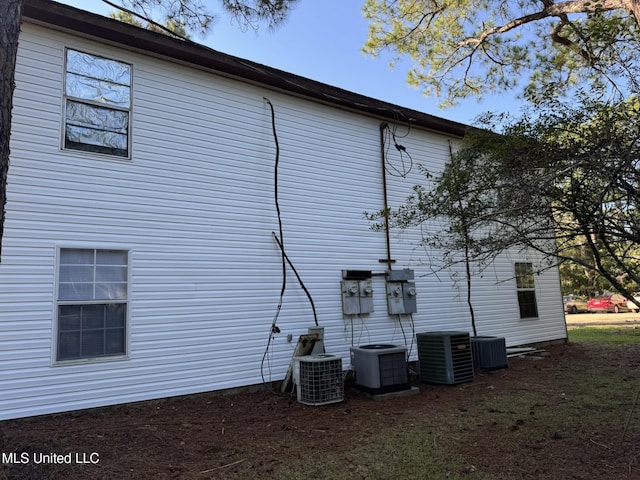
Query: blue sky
(322, 40)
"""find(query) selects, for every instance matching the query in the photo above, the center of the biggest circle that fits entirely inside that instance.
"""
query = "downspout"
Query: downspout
(388, 260)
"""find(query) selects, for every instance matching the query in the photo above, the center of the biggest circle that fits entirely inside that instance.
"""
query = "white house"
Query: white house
(140, 254)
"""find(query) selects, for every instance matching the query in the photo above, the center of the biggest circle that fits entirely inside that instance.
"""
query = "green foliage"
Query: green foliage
(183, 16)
(473, 47)
(169, 27)
(564, 183)
(251, 12)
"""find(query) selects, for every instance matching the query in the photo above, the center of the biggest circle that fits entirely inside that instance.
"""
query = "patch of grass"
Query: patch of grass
(407, 453)
(605, 335)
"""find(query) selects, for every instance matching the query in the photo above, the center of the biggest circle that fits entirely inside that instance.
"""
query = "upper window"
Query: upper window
(92, 303)
(526, 288)
(97, 104)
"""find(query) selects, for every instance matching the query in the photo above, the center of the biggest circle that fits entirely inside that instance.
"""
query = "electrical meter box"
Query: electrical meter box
(409, 297)
(401, 293)
(357, 292)
(403, 275)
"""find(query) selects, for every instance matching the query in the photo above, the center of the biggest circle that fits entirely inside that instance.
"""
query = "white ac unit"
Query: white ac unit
(380, 368)
(318, 379)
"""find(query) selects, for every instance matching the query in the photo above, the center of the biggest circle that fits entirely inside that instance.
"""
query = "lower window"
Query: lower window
(525, 285)
(92, 303)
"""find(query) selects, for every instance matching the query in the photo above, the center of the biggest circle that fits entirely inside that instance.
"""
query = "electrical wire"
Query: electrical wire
(413, 335)
(279, 238)
(276, 196)
(274, 328)
(404, 335)
(363, 328)
(302, 285)
(391, 138)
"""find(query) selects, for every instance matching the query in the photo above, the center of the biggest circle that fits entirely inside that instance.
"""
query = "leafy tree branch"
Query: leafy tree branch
(473, 47)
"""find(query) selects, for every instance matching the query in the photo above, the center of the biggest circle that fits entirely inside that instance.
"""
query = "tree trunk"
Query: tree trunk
(634, 9)
(10, 20)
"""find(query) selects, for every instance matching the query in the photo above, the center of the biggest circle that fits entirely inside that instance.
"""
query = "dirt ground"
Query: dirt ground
(252, 435)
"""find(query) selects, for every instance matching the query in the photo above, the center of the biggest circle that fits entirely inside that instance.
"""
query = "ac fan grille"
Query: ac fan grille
(393, 369)
(445, 357)
(489, 353)
(319, 379)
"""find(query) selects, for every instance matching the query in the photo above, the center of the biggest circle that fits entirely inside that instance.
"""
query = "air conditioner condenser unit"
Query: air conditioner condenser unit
(380, 368)
(445, 357)
(318, 379)
(489, 353)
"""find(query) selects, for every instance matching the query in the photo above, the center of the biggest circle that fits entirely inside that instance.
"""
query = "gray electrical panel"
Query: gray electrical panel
(403, 275)
(401, 293)
(357, 292)
(395, 298)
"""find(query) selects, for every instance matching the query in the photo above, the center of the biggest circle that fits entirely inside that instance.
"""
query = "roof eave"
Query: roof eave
(88, 24)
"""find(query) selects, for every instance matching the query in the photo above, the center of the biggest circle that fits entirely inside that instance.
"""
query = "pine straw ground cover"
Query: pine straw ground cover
(568, 414)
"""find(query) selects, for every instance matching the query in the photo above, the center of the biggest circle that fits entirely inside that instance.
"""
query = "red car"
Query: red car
(610, 302)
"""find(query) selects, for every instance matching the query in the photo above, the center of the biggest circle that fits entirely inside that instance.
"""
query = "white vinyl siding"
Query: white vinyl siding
(195, 209)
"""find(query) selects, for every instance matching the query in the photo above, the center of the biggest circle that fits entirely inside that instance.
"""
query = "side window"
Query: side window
(97, 104)
(92, 303)
(526, 288)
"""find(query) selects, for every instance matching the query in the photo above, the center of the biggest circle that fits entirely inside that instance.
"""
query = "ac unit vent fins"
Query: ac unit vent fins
(445, 357)
(489, 353)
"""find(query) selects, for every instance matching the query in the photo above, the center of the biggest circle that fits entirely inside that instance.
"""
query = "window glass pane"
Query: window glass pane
(111, 291)
(78, 138)
(75, 291)
(527, 303)
(111, 257)
(114, 341)
(92, 343)
(98, 91)
(68, 345)
(111, 274)
(78, 273)
(98, 67)
(69, 317)
(103, 121)
(524, 275)
(116, 315)
(70, 256)
(92, 316)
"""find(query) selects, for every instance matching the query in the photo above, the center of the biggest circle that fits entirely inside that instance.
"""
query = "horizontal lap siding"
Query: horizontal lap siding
(195, 206)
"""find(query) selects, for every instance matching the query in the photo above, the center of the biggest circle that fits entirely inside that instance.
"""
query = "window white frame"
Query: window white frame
(526, 290)
(97, 99)
(92, 304)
